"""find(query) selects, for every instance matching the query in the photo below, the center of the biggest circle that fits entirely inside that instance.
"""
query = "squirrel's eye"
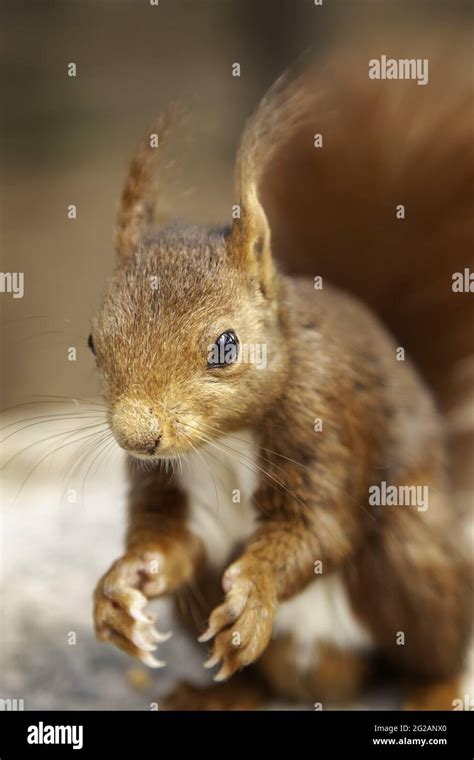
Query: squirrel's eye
(90, 344)
(224, 351)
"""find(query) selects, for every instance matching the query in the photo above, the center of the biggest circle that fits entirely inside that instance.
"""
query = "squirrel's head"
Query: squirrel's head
(188, 340)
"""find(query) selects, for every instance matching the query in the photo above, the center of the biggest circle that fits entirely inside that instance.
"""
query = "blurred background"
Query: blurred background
(68, 140)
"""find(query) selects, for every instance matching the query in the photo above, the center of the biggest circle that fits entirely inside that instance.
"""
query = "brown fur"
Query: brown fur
(337, 675)
(329, 358)
(385, 143)
(435, 696)
(242, 693)
(138, 202)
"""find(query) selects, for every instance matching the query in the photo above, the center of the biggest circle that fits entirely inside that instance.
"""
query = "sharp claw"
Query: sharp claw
(151, 661)
(159, 636)
(142, 643)
(213, 660)
(223, 674)
(138, 615)
(206, 635)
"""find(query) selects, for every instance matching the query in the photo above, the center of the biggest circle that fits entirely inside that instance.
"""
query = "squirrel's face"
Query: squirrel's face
(187, 345)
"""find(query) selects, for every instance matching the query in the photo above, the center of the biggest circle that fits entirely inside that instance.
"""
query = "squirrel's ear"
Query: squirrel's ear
(249, 243)
(137, 212)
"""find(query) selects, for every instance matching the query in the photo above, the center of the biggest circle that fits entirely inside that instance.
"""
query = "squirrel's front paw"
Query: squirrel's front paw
(120, 599)
(242, 625)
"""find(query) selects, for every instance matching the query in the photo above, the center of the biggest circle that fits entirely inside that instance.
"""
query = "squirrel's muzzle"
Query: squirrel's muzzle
(136, 427)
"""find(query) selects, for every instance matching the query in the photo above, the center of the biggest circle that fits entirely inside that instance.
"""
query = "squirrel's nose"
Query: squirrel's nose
(136, 427)
(140, 448)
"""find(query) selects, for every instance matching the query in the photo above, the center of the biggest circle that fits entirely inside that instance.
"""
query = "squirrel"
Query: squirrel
(268, 533)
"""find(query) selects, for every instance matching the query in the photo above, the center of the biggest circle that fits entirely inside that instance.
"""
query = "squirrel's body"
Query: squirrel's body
(322, 611)
(391, 434)
(275, 465)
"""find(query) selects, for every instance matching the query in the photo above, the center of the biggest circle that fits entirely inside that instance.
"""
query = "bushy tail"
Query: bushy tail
(381, 203)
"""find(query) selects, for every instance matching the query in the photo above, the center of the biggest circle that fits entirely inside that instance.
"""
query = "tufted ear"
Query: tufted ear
(137, 210)
(249, 243)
